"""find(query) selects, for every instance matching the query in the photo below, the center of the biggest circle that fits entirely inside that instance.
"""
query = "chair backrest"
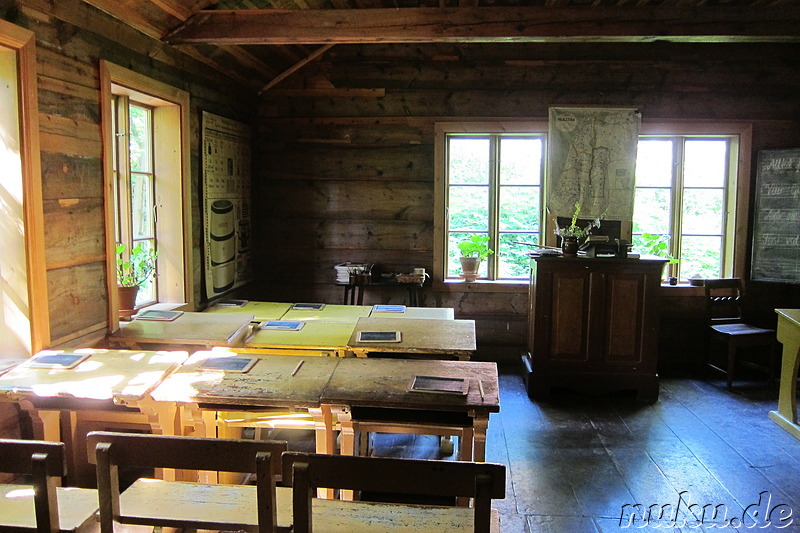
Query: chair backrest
(111, 450)
(46, 463)
(724, 298)
(305, 472)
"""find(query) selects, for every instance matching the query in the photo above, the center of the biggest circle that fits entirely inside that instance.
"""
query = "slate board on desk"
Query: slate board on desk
(776, 232)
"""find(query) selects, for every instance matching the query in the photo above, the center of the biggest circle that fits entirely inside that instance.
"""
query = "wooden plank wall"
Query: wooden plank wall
(71, 38)
(345, 165)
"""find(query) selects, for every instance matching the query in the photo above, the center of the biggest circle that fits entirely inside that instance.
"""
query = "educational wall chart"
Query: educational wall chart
(226, 207)
(776, 232)
(592, 160)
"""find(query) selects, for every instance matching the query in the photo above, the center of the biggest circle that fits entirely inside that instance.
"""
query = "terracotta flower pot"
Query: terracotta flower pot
(127, 300)
(469, 267)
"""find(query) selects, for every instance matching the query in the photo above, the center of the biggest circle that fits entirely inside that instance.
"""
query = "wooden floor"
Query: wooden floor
(575, 462)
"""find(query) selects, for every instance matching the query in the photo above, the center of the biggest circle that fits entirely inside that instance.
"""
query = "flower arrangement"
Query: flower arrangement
(573, 230)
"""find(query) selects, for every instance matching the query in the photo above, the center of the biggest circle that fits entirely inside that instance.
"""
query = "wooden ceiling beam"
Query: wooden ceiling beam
(490, 24)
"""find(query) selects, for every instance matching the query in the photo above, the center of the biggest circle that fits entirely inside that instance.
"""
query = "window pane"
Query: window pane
(469, 208)
(147, 290)
(469, 161)
(140, 145)
(705, 163)
(654, 163)
(142, 206)
(651, 211)
(453, 253)
(519, 209)
(513, 259)
(700, 256)
(702, 211)
(520, 161)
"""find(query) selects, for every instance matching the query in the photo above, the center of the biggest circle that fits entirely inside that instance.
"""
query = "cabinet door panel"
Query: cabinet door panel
(624, 326)
(569, 312)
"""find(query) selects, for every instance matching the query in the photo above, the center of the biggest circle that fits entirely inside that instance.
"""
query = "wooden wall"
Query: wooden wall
(345, 162)
(71, 38)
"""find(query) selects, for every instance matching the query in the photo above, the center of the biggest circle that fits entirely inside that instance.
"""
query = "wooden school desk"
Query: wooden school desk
(316, 337)
(259, 310)
(442, 313)
(108, 387)
(427, 338)
(274, 382)
(789, 336)
(201, 330)
(329, 313)
(378, 389)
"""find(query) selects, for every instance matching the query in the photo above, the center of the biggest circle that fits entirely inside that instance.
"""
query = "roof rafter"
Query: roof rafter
(489, 24)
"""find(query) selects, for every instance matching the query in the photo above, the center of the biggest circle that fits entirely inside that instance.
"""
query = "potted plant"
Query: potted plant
(570, 235)
(133, 270)
(473, 251)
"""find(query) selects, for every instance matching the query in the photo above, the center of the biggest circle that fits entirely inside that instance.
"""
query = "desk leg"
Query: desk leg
(347, 441)
(198, 422)
(46, 424)
(480, 424)
(786, 415)
(323, 431)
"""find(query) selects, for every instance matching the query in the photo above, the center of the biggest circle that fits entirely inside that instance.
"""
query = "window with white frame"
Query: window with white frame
(684, 186)
(684, 208)
(494, 188)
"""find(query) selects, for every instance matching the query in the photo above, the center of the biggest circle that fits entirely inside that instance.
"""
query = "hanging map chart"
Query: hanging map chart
(226, 209)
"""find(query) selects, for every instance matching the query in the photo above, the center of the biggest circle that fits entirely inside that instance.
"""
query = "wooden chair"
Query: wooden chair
(42, 506)
(724, 298)
(153, 502)
(306, 472)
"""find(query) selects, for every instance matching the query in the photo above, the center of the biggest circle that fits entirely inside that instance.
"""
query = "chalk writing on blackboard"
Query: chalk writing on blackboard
(776, 231)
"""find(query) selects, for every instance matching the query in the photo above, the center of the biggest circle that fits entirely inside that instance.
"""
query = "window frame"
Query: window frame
(737, 203)
(171, 154)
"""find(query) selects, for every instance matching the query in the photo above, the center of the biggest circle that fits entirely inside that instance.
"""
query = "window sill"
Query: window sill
(681, 289)
(481, 285)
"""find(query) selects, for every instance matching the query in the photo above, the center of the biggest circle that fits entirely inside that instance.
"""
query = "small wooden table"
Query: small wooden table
(260, 310)
(441, 313)
(329, 313)
(316, 337)
(789, 335)
(109, 386)
(426, 338)
(380, 387)
(204, 330)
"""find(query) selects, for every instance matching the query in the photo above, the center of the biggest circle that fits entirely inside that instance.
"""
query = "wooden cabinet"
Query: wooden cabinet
(593, 326)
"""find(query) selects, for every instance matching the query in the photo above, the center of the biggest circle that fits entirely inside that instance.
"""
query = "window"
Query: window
(494, 188)
(134, 184)
(490, 177)
(147, 129)
(683, 188)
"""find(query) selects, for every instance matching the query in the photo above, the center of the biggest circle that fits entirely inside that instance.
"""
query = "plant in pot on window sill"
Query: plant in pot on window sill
(133, 271)
(473, 251)
(573, 235)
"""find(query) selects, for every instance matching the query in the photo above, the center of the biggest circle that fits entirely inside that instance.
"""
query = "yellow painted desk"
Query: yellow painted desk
(259, 310)
(316, 337)
(427, 338)
(378, 389)
(107, 387)
(205, 330)
(789, 336)
(329, 313)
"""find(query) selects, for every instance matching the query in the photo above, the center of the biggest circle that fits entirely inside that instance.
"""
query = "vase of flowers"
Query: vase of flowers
(573, 235)
(133, 270)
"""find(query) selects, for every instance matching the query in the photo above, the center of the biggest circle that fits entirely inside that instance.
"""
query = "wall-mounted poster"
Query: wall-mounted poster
(592, 161)
(226, 208)
(776, 232)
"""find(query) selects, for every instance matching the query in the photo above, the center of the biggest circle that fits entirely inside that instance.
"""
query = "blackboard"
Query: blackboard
(776, 232)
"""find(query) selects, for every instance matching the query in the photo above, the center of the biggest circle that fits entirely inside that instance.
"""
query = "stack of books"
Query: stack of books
(344, 270)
